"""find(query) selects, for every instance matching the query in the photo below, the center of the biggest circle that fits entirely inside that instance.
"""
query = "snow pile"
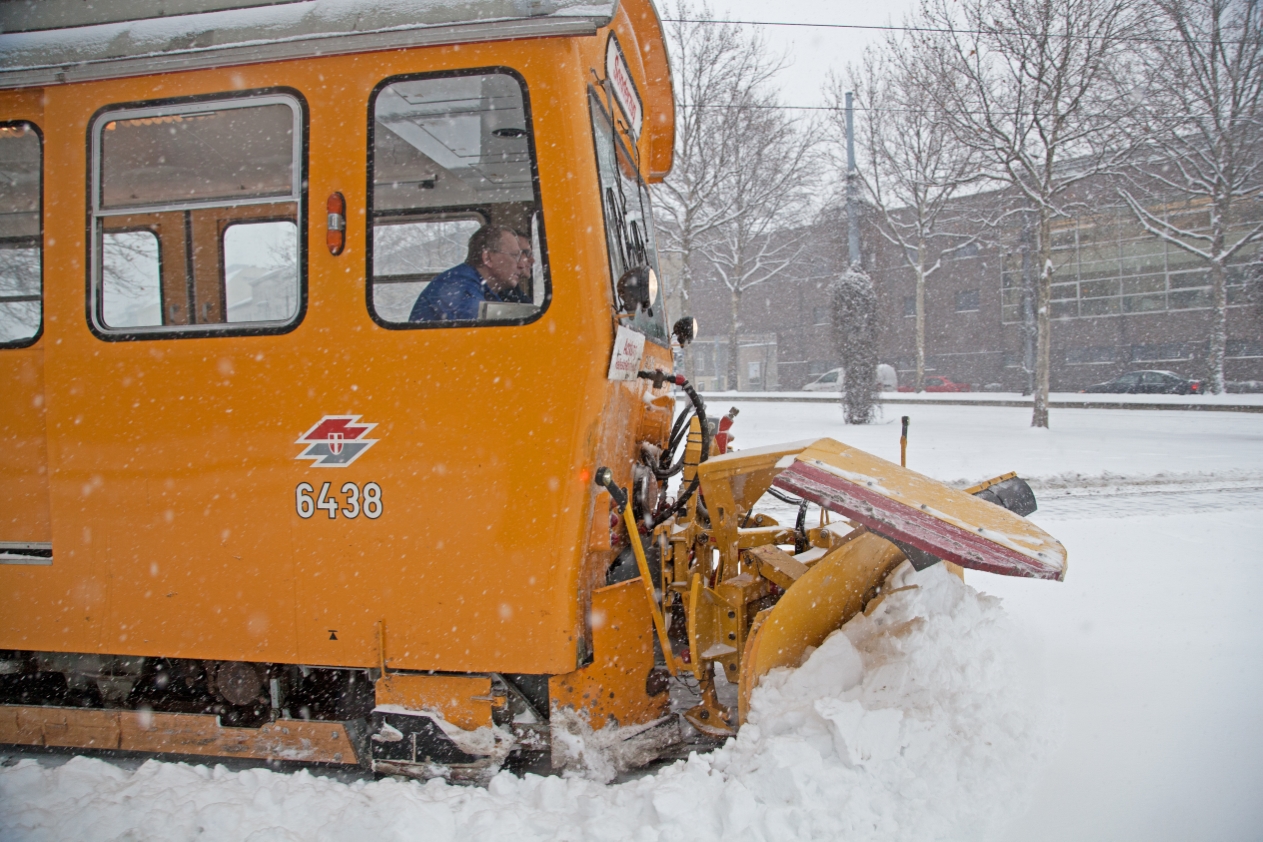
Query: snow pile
(918, 721)
(601, 755)
(915, 722)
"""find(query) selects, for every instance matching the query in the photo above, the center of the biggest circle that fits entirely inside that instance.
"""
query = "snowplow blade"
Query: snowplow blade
(919, 512)
(820, 602)
(903, 515)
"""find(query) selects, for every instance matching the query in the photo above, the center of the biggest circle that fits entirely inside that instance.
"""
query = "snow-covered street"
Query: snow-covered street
(1118, 705)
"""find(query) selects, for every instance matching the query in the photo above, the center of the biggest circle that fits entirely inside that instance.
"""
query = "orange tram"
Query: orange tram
(252, 506)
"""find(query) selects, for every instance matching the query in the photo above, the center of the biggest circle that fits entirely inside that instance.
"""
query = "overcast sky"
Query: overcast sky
(813, 52)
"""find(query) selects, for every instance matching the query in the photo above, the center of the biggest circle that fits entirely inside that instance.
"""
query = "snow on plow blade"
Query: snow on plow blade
(912, 509)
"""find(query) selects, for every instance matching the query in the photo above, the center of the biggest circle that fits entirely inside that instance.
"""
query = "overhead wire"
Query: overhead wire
(882, 28)
(927, 29)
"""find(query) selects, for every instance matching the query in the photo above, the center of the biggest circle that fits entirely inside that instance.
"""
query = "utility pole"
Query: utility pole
(854, 303)
(852, 189)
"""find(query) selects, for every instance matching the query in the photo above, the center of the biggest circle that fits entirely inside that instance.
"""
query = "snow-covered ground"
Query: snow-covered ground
(1154, 648)
(1121, 704)
(970, 443)
(1252, 399)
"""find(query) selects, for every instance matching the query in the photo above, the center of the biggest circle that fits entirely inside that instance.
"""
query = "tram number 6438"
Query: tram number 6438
(368, 502)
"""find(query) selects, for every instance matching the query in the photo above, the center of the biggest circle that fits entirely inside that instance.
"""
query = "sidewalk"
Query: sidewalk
(1057, 400)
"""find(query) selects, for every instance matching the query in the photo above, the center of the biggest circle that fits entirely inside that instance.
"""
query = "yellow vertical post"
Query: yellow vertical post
(605, 478)
(903, 443)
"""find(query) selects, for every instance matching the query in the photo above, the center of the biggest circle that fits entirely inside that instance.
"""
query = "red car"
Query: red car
(940, 384)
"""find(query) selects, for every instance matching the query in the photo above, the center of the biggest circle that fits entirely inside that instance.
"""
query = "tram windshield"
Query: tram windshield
(628, 220)
(452, 157)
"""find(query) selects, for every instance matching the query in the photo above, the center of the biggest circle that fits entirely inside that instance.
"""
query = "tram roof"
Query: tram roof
(57, 41)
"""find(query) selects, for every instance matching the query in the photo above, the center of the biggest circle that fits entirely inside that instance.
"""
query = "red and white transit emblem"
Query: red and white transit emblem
(335, 441)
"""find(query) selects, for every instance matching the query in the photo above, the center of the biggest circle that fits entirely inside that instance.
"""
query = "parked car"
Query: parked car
(830, 381)
(1149, 383)
(936, 383)
(887, 377)
(833, 380)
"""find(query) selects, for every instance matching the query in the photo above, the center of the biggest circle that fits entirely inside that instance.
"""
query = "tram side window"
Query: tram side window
(21, 285)
(628, 220)
(452, 155)
(131, 279)
(196, 211)
(260, 262)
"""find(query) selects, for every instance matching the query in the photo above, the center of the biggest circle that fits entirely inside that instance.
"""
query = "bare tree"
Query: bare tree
(715, 68)
(1204, 133)
(1033, 87)
(769, 158)
(911, 169)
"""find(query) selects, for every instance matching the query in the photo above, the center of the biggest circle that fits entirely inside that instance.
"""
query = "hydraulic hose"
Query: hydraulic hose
(800, 523)
(660, 378)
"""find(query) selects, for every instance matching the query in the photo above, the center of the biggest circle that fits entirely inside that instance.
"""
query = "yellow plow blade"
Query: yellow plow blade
(899, 510)
(820, 602)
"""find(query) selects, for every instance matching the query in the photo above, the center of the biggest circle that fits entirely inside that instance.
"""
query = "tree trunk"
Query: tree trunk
(1028, 308)
(1043, 339)
(920, 381)
(1219, 324)
(734, 363)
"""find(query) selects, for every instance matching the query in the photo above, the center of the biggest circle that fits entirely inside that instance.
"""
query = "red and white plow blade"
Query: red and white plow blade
(907, 507)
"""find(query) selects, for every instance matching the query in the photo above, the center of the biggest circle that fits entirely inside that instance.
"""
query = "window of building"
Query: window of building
(967, 301)
(970, 250)
(1011, 288)
(453, 154)
(1093, 355)
(1244, 348)
(1106, 265)
(1163, 352)
(822, 315)
(21, 236)
(909, 306)
(188, 196)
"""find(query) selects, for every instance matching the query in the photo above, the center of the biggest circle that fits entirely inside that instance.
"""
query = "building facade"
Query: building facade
(1122, 300)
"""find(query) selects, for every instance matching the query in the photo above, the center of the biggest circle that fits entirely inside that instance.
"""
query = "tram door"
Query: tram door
(25, 529)
(162, 407)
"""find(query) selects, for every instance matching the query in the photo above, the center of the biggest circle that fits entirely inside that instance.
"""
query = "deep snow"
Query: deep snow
(922, 721)
(1154, 649)
(909, 724)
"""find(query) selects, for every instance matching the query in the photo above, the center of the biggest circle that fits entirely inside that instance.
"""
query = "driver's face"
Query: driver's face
(501, 263)
(526, 262)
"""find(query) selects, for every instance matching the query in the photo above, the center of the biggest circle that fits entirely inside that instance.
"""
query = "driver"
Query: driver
(521, 293)
(490, 273)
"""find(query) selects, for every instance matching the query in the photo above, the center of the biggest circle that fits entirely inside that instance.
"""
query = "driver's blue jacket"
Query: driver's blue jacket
(453, 296)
